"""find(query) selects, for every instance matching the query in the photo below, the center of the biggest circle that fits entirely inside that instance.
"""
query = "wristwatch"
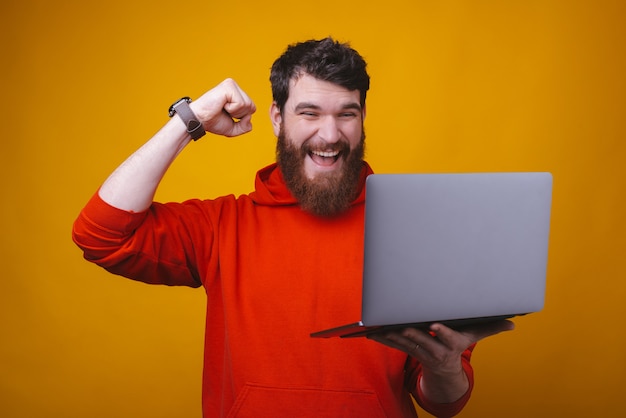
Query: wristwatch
(194, 126)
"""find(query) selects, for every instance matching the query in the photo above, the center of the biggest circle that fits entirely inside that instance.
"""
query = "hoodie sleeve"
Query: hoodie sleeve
(158, 246)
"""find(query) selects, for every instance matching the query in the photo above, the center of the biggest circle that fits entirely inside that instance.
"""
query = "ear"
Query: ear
(276, 118)
(363, 112)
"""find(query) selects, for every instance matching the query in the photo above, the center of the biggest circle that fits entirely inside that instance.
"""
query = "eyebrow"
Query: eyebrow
(307, 105)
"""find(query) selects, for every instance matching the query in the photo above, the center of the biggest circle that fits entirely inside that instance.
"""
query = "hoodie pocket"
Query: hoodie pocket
(260, 401)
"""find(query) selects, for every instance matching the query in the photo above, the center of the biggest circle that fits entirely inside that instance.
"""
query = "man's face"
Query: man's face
(320, 144)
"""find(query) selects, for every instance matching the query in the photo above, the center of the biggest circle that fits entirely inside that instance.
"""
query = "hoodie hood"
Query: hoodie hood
(271, 190)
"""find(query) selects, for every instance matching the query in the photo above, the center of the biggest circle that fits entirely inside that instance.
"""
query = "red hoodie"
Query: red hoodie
(272, 274)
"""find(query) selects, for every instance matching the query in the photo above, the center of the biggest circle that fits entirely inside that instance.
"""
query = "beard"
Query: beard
(327, 194)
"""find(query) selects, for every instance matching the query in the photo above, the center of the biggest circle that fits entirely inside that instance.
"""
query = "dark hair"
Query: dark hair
(324, 59)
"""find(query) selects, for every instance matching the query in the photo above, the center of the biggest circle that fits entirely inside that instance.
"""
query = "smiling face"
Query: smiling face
(320, 143)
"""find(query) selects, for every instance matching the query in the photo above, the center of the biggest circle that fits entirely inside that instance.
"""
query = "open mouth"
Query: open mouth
(325, 158)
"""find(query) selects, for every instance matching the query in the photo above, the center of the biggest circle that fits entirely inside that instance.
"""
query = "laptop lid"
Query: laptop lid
(445, 247)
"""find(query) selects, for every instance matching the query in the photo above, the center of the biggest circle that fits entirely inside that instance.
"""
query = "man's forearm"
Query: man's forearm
(133, 184)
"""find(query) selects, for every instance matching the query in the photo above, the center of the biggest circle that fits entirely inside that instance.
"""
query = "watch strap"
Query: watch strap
(193, 125)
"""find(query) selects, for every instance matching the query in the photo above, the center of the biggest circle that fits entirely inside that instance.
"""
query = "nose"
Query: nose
(328, 129)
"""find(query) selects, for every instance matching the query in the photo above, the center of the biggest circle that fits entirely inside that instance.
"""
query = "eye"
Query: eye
(308, 114)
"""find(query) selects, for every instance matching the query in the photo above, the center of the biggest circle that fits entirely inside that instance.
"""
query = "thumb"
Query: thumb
(242, 126)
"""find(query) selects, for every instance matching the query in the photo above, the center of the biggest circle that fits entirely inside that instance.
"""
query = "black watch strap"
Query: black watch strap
(194, 126)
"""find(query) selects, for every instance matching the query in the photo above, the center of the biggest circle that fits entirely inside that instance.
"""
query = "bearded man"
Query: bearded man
(281, 261)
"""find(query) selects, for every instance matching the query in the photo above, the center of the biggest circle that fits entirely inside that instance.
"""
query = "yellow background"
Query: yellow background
(456, 86)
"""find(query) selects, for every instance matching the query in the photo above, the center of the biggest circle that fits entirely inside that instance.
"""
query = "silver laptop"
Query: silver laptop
(451, 248)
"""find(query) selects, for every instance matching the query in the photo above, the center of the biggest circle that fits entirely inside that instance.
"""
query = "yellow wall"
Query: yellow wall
(457, 86)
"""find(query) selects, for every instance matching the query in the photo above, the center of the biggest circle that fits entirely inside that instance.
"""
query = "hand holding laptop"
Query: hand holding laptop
(439, 351)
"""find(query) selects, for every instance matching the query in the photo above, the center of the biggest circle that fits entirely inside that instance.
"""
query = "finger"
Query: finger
(239, 107)
(423, 339)
(410, 341)
(246, 123)
(242, 126)
(450, 338)
(473, 333)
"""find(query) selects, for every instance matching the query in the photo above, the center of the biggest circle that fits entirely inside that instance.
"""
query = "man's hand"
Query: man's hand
(225, 109)
(439, 351)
